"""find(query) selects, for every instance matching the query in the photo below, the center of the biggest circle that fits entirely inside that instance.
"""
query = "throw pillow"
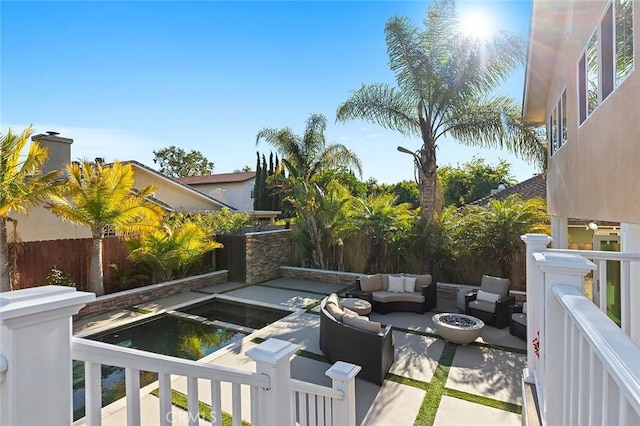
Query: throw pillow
(333, 299)
(409, 284)
(371, 283)
(524, 308)
(363, 324)
(421, 281)
(485, 296)
(396, 284)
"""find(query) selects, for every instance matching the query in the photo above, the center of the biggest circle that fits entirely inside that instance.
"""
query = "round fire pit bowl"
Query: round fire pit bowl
(458, 328)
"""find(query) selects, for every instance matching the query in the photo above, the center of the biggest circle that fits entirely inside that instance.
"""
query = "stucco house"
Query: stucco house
(581, 84)
(38, 224)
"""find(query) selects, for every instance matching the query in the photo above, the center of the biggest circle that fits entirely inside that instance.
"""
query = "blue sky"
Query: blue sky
(126, 78)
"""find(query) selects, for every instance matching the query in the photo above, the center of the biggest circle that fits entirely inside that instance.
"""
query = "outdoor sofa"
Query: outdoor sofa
(346, 336)
(396, 292)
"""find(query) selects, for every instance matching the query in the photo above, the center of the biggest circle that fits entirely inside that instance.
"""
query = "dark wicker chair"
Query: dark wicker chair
(518, 321)
(492, 313)
(374, 352)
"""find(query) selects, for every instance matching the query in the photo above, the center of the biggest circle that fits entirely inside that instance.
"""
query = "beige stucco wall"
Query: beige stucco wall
(595, 175)
(235, 194)
(39, 224)
(174, 194)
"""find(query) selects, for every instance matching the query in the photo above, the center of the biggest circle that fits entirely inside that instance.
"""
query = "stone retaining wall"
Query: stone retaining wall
(333, 277)
(124, 299)
(265, 252)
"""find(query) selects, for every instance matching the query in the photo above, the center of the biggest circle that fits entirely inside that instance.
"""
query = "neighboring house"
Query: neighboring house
(38, 224)
(583, 234)
(581, 83)
(235, 188)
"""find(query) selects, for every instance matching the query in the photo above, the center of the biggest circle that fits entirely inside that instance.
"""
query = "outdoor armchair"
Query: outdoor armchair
(491, 302)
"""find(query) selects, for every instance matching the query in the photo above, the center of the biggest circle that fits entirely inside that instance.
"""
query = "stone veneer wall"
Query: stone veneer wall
(265, 252)
(124, 299)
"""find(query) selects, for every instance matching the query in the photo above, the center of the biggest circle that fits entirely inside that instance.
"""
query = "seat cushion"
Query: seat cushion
(519, 318)
(333, 299)
(335, 311)
(495, 285)
(389, 296)
(371, 283)
(483, 306)
(363, 323)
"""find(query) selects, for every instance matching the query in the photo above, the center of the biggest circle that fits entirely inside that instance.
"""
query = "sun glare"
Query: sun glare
(476, 24)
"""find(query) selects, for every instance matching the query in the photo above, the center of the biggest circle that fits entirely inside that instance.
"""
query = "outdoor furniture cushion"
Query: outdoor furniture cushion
(333, 299)
(524, 308)
(396, 284)
(409, 284)
(485, 296)
(363, 323)
(495, 285)
(335, 311)
(421, 280)
(483, 305)
(371, 283)
(389, 296)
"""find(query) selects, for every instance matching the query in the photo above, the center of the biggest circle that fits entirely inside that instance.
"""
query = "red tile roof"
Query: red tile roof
(217, 178)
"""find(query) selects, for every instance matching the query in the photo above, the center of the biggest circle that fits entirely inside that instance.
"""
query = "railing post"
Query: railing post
(35, 339)
(273, 358)
(558, 268)
(343, 378)
(535, 243)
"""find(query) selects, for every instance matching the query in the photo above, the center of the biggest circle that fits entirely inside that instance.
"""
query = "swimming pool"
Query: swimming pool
(189, 332)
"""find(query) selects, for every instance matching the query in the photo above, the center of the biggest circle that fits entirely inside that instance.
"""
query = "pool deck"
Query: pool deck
(477, 384)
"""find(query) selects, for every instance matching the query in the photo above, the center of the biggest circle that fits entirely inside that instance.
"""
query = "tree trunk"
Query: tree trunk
(96, 278)
(5, 284)
(428, 182)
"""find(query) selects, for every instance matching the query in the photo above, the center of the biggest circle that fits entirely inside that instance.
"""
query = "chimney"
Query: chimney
(59, 150)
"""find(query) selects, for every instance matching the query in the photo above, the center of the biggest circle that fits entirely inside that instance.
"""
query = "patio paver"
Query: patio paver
(454, 411)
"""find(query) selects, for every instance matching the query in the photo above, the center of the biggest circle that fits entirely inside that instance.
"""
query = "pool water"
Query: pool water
(162, 334)
(252, 316)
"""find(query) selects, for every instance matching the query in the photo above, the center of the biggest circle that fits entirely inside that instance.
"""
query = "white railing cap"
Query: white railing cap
(39, 300)
(536, 238)
(343, 371)
(563, 263)
(272, 351)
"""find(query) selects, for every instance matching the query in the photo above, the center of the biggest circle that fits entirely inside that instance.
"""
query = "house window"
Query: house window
(558, 124)
(252, 189)
(605, 65)
(623, 39)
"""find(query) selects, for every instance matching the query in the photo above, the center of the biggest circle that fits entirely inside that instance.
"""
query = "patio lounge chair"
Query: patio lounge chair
(518, 320)
(491, 302)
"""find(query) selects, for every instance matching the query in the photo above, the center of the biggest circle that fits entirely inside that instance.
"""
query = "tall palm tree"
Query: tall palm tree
(308, 155)
(445, 82)
(102, 197)
(22, 185)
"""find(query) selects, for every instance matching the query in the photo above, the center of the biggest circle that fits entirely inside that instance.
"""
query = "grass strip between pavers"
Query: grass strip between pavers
(483, 400)
(204, 410)
(431, 402)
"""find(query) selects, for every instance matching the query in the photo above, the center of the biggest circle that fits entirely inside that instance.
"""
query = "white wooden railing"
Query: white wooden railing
(600, 258)
(599, 366)
(36, 387)
(586, 369)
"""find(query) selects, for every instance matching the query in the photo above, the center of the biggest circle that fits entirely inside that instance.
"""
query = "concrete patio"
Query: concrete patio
(430, 382)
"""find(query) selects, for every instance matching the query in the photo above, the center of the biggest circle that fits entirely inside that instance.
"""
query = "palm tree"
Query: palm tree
(171, 251)
(308, 155)
(103, 197)
(444, 88)
(22, 185)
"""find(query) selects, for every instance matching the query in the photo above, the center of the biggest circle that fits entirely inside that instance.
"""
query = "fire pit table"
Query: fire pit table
(458, 328)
